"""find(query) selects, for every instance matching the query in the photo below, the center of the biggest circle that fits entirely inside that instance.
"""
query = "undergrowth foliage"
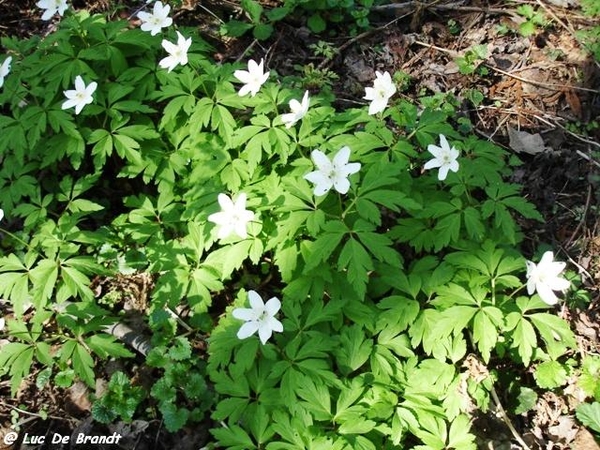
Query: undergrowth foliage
(389, 274)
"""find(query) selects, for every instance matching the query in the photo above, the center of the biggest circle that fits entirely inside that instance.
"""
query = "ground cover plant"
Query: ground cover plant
(317, 276)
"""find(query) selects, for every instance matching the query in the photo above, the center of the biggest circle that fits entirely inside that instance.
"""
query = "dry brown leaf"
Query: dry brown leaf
(78, 396)
(584, 441)
(565, 430)
(524, 142)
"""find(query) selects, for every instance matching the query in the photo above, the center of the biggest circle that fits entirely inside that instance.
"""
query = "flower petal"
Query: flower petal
(435, 150)
(443, 173)
(432, 164)
(256, 301)
(444, 142)
(341, 184)
(350, 169)
(546, 294)
(247, 330)
(246, 314)
(321, 161)
(275, 324)
(558, 284)
(264, 333)
(225, 202)
(341, 157)
(272, 306)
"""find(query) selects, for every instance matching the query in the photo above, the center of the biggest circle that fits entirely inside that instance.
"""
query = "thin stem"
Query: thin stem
(3, 230)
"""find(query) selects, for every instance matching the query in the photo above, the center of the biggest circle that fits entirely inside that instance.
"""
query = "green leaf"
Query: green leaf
(44, 276)
(174, 418)
(105, 345)
(316, 23)
(447, 230)
(527, 399)
(182, 349)
(523, 336)
(317, 398)
(16, 358)
(355, 349)
(65, 378)
(103, 413)
(263, 31)
(550, 375)
(231, 408)
(254, 10)
(589, 415)
(589, 380)
(527, 28)
(82, 205)
(459, 437)
(356, 260)
(233, 437)
(485, 330)
(83, 364)
(326, 243)
(398, 313)
(277, 14)
(356, 424)
(555, 332)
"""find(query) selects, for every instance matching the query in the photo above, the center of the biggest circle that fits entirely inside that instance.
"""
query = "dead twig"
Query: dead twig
(506, 420)
(575, 135)
(555, 17)
(458, 6)
(558, 87)
(586, 209)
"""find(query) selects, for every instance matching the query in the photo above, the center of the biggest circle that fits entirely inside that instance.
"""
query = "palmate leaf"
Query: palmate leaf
(355, 349)
(231, 408)
(83, 364)
(44, 276)
(317, 398)
(555, 332)
(105, 345)
(326, 243)
(522, 335)
(379, 245)
(398, 313)
(16, 359)
(356, 260)
(485, 330)
(459, 436)
(14, 280)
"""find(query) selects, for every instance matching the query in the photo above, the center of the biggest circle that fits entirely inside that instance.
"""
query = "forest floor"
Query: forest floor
(536, 95)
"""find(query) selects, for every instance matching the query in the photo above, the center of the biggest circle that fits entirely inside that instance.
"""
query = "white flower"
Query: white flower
(259, 317)
(299, 110)
(177, 52)
(233, 217)
(444, 157)
(332, 173)
(80, 96)
(5, 69)
(158, 19)
(52, 7)
(544, 278)
(253, 78)
(382, 90)
(1, 214)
